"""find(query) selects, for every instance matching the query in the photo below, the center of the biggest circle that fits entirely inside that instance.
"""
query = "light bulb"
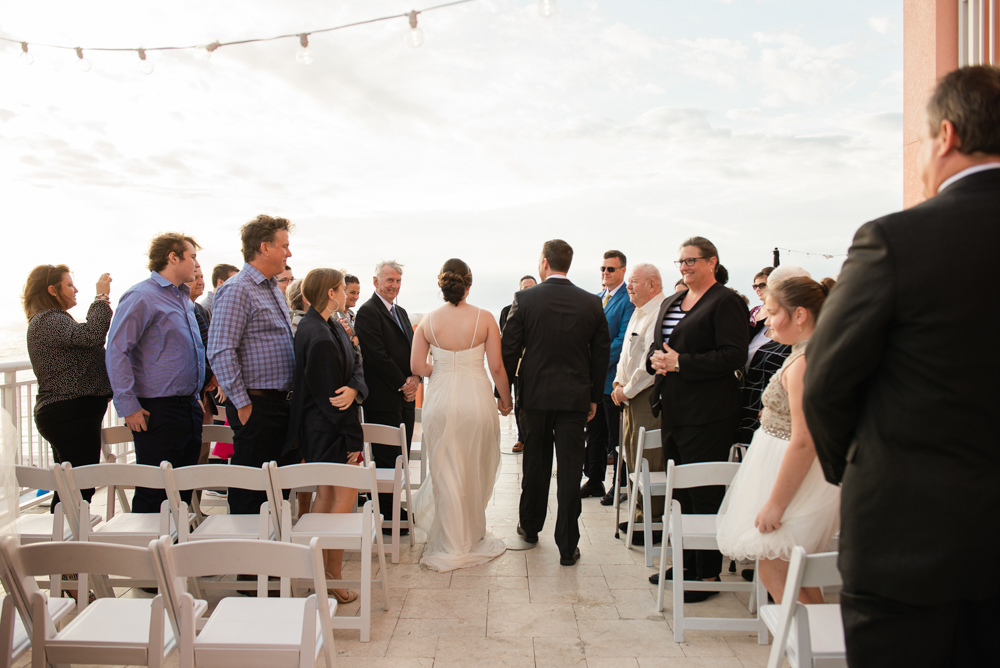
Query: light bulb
(415, 37)
(145, 66)
(82, 63)
(547, 7)
(25, 58)
(303, 55)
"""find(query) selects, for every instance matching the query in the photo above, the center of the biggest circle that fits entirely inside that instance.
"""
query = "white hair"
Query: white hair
(648, 271)
(784, 272)
(392, 264)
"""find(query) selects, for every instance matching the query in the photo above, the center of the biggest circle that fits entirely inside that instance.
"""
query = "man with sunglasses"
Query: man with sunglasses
(603, 430)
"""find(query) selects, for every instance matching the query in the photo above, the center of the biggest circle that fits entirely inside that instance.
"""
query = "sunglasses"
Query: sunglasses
(609, 270)
(759, 286)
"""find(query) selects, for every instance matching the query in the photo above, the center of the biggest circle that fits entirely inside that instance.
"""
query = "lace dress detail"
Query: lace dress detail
(776, 419)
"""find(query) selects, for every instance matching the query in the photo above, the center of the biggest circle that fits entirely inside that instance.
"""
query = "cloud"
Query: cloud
(879, 24)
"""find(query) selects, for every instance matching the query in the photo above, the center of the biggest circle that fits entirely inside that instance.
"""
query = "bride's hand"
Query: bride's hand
(769, 518)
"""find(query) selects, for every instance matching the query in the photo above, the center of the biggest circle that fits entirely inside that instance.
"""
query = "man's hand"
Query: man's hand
(137, 421)
(618, 395)
(244, 413)
(344, 399)
(663, 362)
(409, 388)
(592, 412)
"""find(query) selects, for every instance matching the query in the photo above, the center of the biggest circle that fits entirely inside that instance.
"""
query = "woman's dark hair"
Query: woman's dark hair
(801, 291)
(316, 287)
(454, 279)
(708, 251)
(763, 273)
(721, 274)
(36, 298)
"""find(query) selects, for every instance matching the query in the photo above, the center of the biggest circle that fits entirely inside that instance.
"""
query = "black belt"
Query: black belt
(170, 400)
(283, 395)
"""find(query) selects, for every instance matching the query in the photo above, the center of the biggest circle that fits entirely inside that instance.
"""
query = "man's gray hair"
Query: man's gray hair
(649, 272)
(392, 264)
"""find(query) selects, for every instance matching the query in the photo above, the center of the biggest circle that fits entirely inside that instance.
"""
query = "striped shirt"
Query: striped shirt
(250, 340)
(671, 318)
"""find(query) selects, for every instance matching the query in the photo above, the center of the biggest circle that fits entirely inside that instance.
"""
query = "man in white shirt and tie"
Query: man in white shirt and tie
(632, 383)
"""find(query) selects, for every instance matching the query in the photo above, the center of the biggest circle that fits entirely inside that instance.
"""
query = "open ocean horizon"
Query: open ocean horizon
(13, 344)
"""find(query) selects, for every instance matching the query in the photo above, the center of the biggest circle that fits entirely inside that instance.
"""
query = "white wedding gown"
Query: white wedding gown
(461, 439)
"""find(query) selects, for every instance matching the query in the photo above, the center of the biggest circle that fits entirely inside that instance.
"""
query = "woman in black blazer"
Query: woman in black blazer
(327, 389)
(700, 342)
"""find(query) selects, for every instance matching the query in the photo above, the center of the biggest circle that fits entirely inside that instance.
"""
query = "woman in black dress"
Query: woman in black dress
(327, 388)
(68, 360)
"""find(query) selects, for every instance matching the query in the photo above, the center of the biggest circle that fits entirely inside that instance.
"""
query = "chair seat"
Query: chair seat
(123, 622)
(228, 526)
(329, 525)
(699, 532)
(826, 629)
(37, 528)
(132, 529)
(657, 482)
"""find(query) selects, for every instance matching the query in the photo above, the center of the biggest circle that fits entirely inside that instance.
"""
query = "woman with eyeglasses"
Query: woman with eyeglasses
(699, 345)
(68, 360)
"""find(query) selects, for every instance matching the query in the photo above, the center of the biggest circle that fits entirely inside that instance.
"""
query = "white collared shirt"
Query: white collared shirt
(388, 304)
(556, 275)
(631, 373)
(969, 171)
(611, 293)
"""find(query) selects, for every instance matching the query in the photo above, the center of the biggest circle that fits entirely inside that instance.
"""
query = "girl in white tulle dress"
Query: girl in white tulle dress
(779, 497)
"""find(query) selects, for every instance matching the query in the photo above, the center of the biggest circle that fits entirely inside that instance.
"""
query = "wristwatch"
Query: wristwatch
(677, 366)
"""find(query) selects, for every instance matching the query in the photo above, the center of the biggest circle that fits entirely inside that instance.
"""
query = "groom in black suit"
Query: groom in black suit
(560, 335)
(900, 394)
(385, 335)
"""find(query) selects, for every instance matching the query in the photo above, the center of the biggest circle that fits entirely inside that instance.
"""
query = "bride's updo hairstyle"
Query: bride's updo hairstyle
(800, 291)
(454, 279)
(316, 287)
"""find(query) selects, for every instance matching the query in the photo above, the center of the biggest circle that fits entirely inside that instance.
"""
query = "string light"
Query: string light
(823, 255)
(25, 58)
(303, 55)
(546, 7)
(145, 66)
(82, 63)
(415, 37)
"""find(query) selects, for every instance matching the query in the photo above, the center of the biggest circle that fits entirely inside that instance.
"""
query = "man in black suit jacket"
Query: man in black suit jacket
(556, 342)
(900, 394)
(696, 393)
(525, 283)
(384, 332)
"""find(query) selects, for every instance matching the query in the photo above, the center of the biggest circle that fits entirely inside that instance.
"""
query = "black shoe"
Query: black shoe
(639, 538)
(592, 490)
(569, 559)
(150, 590)
(747, 574)
(271, 593)
(527, 536)
(655, 577)
(608, 499)
(698, 596)
(732, 566)
(403, 531)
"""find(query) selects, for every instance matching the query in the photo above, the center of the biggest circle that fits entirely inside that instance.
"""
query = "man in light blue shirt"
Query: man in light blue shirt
(156, 362)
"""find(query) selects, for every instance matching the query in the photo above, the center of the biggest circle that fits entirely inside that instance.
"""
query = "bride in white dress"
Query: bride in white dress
(461, 429)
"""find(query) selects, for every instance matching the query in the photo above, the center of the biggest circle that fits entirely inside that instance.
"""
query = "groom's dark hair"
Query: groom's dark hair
(559, 254)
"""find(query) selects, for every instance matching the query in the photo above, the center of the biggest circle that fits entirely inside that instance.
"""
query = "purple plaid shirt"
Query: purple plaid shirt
(250, 341)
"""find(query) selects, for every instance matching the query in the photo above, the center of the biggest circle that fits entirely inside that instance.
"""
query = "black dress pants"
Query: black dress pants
(602, 439)
(385, 455)
(690, 444)
(73, 429)
(173, 434)
(882, 632)
(258, 441)
(542, 431)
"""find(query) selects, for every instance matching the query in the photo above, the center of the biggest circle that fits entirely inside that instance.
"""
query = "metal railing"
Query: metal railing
(977, 20)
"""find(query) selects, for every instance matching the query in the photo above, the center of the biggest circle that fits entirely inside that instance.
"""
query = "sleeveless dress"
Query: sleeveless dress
(461, 439)
(813, 516)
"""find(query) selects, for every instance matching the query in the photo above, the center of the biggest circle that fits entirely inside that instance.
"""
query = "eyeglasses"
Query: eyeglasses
(759, 286)
(609, 270)
(689, 261)
(286, 280)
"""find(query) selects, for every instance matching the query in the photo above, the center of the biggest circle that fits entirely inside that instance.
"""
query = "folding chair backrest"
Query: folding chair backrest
(702, 474)
(209, 476)
(361, 478)
(36, 477)
(119, 475)
(821, 570)
(648, 440)
(216, 433)
(204, 558)
(12, 587)
(385, 435)
(113, 436)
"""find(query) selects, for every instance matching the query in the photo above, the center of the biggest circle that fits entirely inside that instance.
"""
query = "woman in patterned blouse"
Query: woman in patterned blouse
(68, 360)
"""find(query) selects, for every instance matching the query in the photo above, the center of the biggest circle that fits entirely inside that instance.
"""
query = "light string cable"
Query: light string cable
(301, 36)
(828, 256)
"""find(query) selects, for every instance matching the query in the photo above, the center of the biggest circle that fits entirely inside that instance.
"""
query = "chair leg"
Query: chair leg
(366, 592)
(647, 523)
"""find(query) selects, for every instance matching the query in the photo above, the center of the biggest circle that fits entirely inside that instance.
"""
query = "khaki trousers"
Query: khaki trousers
(638, 413)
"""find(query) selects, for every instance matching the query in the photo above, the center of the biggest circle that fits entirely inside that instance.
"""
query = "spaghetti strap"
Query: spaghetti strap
(475, 329)
(430, 326)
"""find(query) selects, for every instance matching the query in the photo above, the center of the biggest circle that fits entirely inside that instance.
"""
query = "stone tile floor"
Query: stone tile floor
(524, 609)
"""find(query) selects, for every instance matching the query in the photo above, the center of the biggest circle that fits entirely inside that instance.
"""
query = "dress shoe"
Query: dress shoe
(698, 596)
(527, 536)
(569, 559)
(747, 574)
(612, 459)
(609, 498)
(272, 593)
(688, 575)
(403, 531)
(639, 538)
(518, 447)
(592, 490)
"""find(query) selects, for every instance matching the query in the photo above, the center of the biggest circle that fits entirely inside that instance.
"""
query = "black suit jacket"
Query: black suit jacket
(325, 361)
(712, 340)
(386, 353)
(559, 334)
(901, 389)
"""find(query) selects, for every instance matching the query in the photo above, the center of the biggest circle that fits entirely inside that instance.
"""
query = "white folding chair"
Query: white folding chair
(242, 632)
(212, 497)
(339, 531)
(44, 527)
(14, 640)
(117, 445)
(646, 484)
(395, 480)
(698, 532)
(117, 631)
(812, 636)
(619, 488)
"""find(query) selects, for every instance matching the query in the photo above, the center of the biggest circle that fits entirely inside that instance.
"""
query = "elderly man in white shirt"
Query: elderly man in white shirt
(633, 384)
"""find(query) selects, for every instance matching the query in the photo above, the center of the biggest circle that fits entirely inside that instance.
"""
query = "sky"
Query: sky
(625, 124)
